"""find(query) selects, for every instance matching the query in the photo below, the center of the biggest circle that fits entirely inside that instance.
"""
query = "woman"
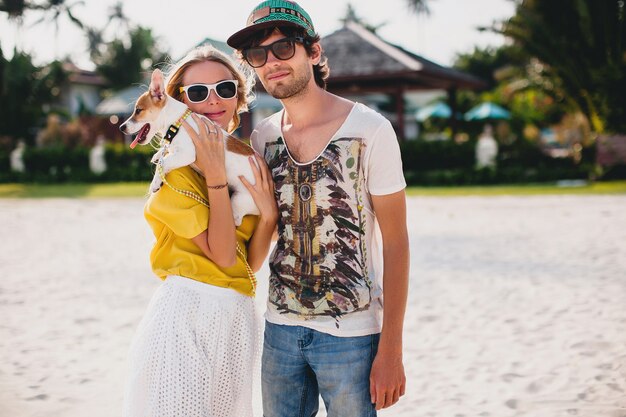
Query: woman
(195, 348)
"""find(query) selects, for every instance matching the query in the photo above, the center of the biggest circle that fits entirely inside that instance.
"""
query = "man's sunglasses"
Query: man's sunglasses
(282, 49)
(197, 93)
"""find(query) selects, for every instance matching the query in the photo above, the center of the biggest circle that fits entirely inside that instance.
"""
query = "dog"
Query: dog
(157, 113)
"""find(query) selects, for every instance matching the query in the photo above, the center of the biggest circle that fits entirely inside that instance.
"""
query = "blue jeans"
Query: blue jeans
(300, 364)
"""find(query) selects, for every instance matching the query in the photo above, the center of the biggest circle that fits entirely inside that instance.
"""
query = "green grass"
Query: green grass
(117, 190)
(139, 189)
(613, 187)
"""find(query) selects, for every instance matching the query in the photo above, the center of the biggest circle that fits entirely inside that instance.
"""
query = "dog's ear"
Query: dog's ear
(157, 85)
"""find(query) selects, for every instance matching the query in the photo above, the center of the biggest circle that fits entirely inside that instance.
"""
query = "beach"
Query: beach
(517, 306)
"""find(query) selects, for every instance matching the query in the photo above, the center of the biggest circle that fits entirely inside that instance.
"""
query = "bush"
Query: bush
(5, 167)
(419, 155)
(615, 172)
(60, 164)
(125, 164)
(56, 164)
(448, 163)
(425, 163)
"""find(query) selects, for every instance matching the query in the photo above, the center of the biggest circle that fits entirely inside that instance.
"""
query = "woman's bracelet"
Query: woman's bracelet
(217, 187)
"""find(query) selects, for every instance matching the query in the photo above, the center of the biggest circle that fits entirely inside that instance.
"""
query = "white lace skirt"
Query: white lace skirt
(193, 354)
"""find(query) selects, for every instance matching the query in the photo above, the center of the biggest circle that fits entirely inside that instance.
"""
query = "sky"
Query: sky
(179, 25)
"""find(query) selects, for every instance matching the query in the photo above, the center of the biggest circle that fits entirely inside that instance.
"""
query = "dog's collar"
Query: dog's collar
(175, 127)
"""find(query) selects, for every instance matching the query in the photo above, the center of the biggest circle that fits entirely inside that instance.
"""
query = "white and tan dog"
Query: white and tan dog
(155, 112)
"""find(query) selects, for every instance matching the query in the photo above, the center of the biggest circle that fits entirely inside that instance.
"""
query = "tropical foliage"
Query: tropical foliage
(489, 64)
(24, 91)
(578, 46)
(124, 63)
(57, 9)
(28, 92)
(122, 51)
(508, 73)
(51, 11)
(352, 16)
(418, 6)
(14, 8)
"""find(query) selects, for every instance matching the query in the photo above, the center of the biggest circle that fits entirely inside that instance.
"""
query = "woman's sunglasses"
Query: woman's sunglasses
(282, 49)
(197, 93)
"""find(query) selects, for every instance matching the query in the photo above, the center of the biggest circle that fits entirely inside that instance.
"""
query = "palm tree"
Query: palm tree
(56, 9)
(578, 48)
(14, 8)
(418, 6)
(95, 41)
(116, 12)
(96, 37)
(121, 64)
(351, 16)
(60, 8)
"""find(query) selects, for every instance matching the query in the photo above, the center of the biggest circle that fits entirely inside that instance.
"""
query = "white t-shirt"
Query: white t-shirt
(326, 268)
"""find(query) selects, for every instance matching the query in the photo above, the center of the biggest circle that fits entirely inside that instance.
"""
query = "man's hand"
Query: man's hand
(387, 379)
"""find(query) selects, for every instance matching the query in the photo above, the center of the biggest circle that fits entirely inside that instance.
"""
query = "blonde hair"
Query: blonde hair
(243, 75)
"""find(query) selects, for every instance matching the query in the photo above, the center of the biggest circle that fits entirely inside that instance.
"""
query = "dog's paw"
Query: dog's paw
(242, 204)
(156, 183)
(156, 158)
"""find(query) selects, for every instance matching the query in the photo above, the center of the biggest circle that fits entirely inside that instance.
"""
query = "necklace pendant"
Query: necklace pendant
(305, 192)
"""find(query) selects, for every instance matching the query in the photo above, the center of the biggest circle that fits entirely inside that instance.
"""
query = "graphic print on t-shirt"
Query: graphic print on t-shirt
(319, 264)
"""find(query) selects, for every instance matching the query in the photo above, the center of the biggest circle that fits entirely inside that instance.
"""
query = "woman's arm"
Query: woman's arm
(263, 194)
(219, 241)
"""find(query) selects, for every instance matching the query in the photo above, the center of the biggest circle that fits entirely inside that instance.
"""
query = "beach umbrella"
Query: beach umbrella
(487, 110)
(437, 110)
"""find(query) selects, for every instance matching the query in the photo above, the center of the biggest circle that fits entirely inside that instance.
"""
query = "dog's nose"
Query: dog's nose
(123, 128)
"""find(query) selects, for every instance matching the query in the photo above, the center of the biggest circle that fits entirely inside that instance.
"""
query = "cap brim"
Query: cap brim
(239, 38)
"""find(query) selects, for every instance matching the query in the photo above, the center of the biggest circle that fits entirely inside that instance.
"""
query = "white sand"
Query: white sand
(517, 306)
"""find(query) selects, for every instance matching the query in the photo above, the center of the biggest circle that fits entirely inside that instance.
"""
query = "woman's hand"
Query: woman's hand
(263, 189)
(209, 143)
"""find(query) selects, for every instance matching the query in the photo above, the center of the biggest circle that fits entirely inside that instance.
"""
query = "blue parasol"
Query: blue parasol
(438, 110)
(487, 110)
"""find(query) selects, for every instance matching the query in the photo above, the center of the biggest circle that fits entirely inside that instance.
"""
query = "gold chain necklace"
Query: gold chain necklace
(202, 201)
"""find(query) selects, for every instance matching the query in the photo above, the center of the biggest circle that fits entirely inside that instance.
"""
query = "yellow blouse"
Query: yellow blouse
(175, 219)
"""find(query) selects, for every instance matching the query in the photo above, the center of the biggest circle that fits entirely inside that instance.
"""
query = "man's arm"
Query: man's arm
(387, 379)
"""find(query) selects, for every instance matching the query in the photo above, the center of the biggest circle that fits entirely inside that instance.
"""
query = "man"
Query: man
(337, 173)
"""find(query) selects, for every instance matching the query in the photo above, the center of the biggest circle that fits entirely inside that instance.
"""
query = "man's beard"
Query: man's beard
(292, 89)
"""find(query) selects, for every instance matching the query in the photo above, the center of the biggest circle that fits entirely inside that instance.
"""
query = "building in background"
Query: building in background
(364, 68)
(81, 93)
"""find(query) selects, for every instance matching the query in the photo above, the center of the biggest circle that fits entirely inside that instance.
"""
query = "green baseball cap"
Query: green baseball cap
(273, 13)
